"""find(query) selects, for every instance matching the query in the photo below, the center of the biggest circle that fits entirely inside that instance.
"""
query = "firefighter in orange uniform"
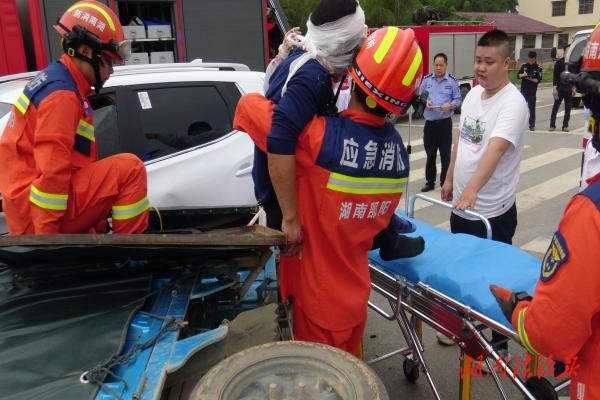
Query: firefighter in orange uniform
(351, 172)
(562, 319)
(51, 181)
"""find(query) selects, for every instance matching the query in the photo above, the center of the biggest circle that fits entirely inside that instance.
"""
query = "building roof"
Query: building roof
(512, 22)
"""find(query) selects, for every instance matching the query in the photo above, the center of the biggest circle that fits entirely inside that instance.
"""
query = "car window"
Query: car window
(179, 117)
(106, 124)
(106, 129)
(5, 109)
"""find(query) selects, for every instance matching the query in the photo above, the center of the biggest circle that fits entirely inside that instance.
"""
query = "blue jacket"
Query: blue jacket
(308, 93)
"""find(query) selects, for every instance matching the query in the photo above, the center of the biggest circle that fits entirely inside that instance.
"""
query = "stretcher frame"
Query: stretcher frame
(414, 303)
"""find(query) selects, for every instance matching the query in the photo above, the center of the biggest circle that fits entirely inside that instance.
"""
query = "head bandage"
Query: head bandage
(332, 44)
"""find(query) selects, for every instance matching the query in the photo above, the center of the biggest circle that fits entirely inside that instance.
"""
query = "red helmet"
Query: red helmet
(389, 68)
(94, 24)
(591, 54)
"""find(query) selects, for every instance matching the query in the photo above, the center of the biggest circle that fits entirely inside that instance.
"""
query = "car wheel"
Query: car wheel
(290, 370)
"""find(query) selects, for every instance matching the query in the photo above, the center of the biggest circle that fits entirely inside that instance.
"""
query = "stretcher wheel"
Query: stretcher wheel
(282, 370)
(541, 388)
(411, 370)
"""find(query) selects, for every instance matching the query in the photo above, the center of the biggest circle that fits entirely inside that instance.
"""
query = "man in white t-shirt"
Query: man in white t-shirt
(484, 165)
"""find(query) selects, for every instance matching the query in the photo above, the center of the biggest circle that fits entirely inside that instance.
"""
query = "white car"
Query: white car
(177, 118)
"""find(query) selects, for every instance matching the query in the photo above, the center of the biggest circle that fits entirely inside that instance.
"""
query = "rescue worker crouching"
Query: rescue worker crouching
(562, 319)
(52, 181)
(351, 170)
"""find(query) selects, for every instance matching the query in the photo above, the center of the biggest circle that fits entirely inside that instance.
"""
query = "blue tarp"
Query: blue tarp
(463, 266)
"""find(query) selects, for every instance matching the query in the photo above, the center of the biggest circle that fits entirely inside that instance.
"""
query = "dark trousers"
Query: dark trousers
(566, 95)
(503, 230)
(530, 98)
(437, 135)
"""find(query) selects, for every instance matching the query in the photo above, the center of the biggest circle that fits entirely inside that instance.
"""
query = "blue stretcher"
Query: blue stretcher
(447, 287)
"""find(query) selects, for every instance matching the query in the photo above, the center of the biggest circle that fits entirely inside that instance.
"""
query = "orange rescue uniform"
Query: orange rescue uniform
(350, 174)
(563, 319)
(51, 180)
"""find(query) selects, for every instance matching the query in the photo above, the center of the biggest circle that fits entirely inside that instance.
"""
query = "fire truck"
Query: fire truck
(236, 31)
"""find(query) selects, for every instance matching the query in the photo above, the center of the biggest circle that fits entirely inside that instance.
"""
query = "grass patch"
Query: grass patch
(546, 76)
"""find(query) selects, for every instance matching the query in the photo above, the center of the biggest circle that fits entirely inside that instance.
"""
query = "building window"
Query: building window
(547, 40)
(586, 6)
(529, 41)
(563, 40)
(559, 8)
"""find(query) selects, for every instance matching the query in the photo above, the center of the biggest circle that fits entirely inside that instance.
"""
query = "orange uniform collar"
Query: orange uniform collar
(82, 84)
(363, 117)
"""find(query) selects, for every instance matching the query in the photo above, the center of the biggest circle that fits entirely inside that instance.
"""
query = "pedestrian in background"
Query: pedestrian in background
(561, 91)
(484, 168)
(444, 98)
(530, 75)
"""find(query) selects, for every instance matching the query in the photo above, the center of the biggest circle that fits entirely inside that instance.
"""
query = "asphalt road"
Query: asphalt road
(549, 177)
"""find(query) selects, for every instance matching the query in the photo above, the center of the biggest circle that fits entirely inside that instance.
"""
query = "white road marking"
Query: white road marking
(537, 245)
(573, 112)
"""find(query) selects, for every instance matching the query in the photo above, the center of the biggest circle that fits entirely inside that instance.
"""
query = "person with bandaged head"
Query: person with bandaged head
(301, 84)
(351, 171)
(562, 319)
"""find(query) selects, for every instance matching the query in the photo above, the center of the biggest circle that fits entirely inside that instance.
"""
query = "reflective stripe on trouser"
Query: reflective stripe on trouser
(128, 211)
(116, 181)
(50, 201)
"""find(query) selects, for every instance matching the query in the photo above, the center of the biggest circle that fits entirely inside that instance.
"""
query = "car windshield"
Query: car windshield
(4, 109)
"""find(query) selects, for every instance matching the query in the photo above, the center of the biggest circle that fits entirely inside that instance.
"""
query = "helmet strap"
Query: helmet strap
(77, 37)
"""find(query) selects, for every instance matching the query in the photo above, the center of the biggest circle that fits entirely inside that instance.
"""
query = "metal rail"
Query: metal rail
(464, 214)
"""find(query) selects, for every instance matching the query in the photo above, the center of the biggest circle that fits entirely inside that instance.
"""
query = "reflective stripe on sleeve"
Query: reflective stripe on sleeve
(523, 334)
(50, 201)
(130, 210)
(22, 103)
(351, 184)
(86, 130)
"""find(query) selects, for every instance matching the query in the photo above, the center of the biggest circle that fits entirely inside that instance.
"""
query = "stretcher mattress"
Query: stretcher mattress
(463, 266)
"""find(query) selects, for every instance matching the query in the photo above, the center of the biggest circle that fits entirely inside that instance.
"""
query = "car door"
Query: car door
(193, 157)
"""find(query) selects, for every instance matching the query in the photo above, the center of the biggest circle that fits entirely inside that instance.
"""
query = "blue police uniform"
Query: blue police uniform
(437, 133)
(529, 88)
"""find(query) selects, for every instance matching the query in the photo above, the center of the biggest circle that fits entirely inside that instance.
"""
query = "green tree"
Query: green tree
(297, 11)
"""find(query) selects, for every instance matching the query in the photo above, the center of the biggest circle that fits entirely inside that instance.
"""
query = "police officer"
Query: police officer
(561, 91)
(530, 74)
(562, 320)
(444, 97)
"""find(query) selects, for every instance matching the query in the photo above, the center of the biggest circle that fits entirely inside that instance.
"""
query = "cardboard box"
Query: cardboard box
(161, 57)
(134, 32)
(137, 59)
(159, 31)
